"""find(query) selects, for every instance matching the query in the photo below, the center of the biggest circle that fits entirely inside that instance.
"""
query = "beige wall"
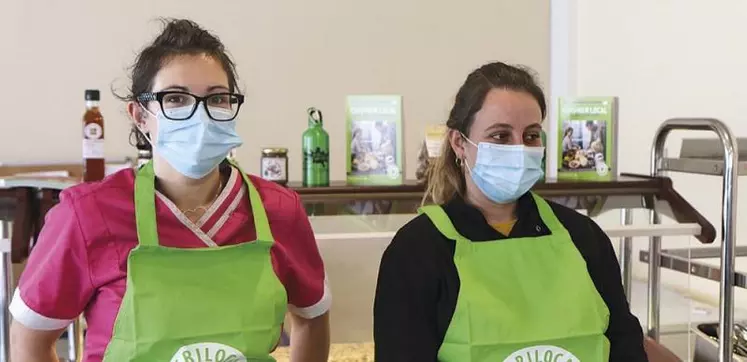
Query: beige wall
(668, 59)
(291, 54)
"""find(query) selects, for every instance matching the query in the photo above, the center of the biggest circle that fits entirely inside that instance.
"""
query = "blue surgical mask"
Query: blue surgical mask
(505, 172)
(197, 145)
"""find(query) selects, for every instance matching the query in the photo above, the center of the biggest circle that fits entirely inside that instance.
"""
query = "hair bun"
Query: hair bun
(185, 34)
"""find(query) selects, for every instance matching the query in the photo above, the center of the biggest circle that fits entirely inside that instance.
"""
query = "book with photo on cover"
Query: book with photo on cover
(587, 138)
(374, 140)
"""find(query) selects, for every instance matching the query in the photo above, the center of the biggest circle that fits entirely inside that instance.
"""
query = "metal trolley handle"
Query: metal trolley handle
(728, 229)
(5, 292)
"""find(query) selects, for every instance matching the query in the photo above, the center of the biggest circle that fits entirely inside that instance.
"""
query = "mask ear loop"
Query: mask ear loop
(137, 125)
(466, 165)
(464, 162)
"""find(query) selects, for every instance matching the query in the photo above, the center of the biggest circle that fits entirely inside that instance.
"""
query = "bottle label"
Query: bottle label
(316, 158)
(316, 167)
(92, 131)
(93, 143)
(93, 149)
(273, 168)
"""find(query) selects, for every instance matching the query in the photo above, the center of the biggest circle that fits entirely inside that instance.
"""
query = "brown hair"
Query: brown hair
(445, 177)
(178, 37)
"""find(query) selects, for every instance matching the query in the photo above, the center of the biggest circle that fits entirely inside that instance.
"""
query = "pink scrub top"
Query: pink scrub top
(79, 262)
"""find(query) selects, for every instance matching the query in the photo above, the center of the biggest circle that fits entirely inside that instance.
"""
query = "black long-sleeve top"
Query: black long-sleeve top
(418, 283)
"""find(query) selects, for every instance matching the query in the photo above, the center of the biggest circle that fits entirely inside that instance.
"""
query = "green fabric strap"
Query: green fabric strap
(444, 225)
(145, 205)
(547, 215)
(441, 221)
(261, 223)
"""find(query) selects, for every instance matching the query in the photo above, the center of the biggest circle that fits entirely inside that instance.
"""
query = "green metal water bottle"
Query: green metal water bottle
(315, 151)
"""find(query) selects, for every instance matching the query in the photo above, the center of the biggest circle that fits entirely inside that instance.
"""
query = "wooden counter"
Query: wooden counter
(628, 191)
(627, 184)
(35, 196)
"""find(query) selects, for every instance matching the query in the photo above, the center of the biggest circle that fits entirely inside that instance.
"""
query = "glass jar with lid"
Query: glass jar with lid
(274, 165)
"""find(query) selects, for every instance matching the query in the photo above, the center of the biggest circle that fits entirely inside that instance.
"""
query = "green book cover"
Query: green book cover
(374, 140)
(587, 138)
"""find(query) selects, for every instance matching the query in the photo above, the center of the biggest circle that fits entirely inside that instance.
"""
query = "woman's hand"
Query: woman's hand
(309, 338)
(31, 345)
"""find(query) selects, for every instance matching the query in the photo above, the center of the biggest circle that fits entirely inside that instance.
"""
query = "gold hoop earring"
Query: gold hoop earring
(458, 162)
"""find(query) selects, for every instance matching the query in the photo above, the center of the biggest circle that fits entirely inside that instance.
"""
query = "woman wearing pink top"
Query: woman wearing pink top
(187, 258)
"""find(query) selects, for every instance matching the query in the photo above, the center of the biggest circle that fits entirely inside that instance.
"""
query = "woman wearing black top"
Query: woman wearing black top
(493, 272)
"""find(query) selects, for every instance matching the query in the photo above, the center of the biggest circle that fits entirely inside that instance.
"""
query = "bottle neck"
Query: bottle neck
(92, 104)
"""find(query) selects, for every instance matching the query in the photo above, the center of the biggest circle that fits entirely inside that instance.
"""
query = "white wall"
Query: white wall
(663, 59)
(291, 54)
(667, 59)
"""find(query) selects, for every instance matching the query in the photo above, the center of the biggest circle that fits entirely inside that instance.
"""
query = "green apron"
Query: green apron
(219, 304)
(523, 299)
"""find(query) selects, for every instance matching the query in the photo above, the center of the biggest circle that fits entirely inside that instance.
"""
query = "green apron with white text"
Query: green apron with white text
(523, 299)
(218, 304)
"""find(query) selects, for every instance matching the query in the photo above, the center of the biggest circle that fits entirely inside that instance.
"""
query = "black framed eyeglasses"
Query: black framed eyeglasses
(180, 106)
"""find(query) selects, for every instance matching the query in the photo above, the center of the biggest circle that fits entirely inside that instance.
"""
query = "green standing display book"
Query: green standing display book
(587, 138)
(374, 140)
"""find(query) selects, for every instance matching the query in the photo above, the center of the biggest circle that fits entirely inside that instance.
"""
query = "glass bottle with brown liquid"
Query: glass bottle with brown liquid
(93, 138)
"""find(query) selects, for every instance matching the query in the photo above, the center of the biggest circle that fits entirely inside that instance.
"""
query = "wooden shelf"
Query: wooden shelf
(628, 191)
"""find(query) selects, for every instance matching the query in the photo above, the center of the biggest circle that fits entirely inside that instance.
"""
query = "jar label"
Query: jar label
(274, 168)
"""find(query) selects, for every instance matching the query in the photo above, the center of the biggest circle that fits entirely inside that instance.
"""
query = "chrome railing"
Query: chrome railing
(728, 228)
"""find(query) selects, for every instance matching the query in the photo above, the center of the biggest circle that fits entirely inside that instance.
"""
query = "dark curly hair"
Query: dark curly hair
(178, 37)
